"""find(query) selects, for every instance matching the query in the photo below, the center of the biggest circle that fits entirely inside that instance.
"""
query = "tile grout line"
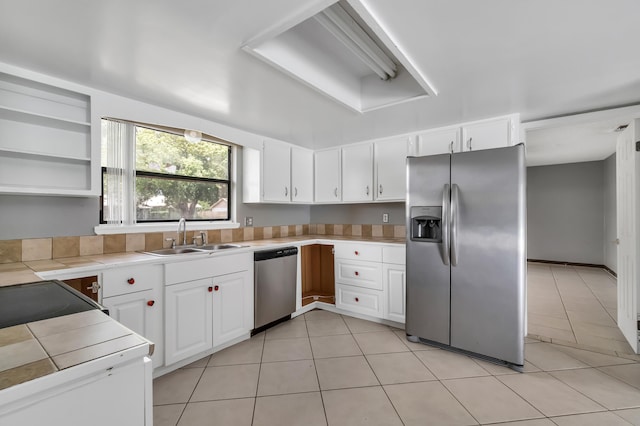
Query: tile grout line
(315, 368)
(555, 282)
(615, 320)
(255, 399)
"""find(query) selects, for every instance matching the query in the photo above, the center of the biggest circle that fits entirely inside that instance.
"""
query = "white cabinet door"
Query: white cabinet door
(327, 176)
(140, 312)
(232, 307)
(188, 319)
(391, 165)
(393, 277)
(276, 173)
(357, 173)
(301, 175)
(487, 135)
(442, 141)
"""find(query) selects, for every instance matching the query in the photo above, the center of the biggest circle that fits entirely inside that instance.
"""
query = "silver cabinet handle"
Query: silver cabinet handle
(469, 144)
(286, 191)
(335, 192)
(455, 208)
(380, 189)
(446, 206)
(295, 191)
(367, 189)
(451, 147)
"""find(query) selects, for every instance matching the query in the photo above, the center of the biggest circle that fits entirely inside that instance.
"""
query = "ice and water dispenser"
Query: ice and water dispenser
(426, 224)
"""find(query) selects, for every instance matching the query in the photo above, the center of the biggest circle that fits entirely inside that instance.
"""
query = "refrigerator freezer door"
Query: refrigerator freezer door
(488, 286)
(428, 276)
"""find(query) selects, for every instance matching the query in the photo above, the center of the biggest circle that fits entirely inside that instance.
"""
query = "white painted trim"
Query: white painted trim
(161, 227)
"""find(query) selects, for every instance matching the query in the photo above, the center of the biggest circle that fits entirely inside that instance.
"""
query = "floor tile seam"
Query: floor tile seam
(616, 378)
(540, 409)
(564, 307)
(555, 328)
(580, 392)
(595, 296)
(235, 398)
(315, 368)
(253, 413)
(618, 415)
(193, 391)
(588, 412)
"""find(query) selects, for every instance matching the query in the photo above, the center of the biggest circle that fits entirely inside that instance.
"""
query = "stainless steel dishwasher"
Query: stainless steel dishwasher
(275, 286)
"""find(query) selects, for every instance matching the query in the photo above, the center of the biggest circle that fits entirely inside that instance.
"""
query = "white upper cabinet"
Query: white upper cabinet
(45, 140)
(276, 163)
(390, 168)
(301, 175)
(440, 141)
(327, 176)
(357, 173)
(489, 134)
(277, 173)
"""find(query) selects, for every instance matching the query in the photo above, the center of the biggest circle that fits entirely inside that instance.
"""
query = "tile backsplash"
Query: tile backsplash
(61, 247)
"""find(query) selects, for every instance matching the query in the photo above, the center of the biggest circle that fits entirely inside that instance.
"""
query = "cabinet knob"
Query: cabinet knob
(380, 189)
(356, 253)
(367, 189)
(216, 288)
(210, 289)
(357, 273)
(151, 302)
(357, 300)
(131, 281)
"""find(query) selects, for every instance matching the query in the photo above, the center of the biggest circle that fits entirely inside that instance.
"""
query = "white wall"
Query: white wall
(565, 212)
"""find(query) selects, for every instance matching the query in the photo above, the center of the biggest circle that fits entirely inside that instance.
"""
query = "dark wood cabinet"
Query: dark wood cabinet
(318, 279)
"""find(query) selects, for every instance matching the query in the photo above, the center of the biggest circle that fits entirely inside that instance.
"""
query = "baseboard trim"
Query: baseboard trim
(588, 265)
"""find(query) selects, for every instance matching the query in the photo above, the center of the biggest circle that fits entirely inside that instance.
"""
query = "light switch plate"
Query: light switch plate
(385, 217)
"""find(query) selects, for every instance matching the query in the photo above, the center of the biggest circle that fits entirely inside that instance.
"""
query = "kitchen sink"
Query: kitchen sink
(214, 247)
(177, 250)
(192, 249)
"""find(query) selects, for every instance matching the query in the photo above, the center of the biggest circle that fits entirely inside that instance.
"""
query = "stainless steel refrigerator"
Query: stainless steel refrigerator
(466, 260)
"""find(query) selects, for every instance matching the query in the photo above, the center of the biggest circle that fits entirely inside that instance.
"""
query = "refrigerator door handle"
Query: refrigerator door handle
(455, 205)
(446, 206)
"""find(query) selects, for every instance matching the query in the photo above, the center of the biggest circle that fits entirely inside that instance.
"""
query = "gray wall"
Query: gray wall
(358, 213)
(26, 216)
(610, 219)
(565, 214)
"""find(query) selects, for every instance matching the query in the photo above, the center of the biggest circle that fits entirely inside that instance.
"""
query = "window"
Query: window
(151, 174)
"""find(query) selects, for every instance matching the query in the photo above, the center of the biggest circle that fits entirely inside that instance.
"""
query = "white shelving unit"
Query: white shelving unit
(45, 139)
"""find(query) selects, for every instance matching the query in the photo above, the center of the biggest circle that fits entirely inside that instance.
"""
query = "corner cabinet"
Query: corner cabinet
(208, 303)
(45, 139)
(390, 168)
(327, 181)
(357, 173)
(277, 173)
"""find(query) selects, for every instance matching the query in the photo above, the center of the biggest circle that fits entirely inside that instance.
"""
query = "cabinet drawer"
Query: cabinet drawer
(361, 274)
(131, 279)
(395, 255)
(359, 300)
(198, 269)
(368, 252)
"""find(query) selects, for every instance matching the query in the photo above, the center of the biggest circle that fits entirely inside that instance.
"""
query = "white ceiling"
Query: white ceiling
(541, 58)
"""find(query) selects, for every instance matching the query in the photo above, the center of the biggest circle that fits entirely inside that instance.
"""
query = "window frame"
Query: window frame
(176, 177)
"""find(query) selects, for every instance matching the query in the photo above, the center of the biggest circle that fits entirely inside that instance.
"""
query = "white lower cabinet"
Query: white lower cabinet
(374, 284)
(207, 312)
(134, 296)
(393, 277)
(188, 319)
(394, 282)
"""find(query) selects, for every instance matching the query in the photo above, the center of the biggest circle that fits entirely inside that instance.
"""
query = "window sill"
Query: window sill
(161, 227)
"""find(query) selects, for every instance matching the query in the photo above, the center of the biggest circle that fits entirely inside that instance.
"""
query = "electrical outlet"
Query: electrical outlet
(385, 217)
(248, 221)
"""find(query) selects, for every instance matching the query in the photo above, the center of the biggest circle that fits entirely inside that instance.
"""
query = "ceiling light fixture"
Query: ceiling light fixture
(193, 136)
(339, 23)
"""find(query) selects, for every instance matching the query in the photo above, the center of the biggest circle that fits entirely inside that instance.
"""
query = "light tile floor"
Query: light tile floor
(327, 369)
(574, 306)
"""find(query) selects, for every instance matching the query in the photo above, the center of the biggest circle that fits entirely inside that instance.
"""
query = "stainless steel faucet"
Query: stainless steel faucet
(182, 222)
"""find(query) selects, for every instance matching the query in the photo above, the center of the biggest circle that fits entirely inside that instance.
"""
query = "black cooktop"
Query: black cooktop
(22, 303)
